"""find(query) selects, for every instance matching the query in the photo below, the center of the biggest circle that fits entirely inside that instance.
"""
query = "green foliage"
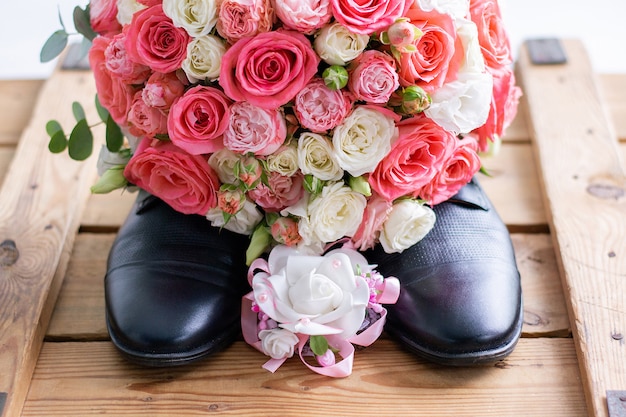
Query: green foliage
(260, 240)
(58, 41)
(80, 144)
(53, 47)
(82, 23)
(319, 345)
(79, 111)
(114, 136)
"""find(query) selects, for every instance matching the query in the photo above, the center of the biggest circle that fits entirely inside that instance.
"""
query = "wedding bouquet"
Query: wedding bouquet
(303, 123)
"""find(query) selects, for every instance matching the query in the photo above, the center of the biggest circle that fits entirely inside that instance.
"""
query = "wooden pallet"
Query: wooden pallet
(558, 193)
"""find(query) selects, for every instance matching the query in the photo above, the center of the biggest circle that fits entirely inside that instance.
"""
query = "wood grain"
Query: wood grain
(79, 379)
(584, 184)
(16, 107)
(42, 197)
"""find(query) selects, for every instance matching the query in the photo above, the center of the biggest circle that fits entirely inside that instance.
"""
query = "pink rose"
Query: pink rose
(367, 17)
(503, 109)
(420, 152)
(304, 16)
(240, 19)
(373, 77)
(120, 65)
(231, 201)
(149, 3)
(103, 17)
(268, 69)
(439, 53)
(249, 171)
(319, 108)
(280, 192)
(458, 171)
(375, 214)
(254, 129)
(285, 231)
(198, 119)
(492, 37)
(144, 120)
(186, 182)
(161, 90)
(153, 40)
(114, 94)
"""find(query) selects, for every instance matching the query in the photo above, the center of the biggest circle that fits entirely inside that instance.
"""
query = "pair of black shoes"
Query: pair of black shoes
(174, 285)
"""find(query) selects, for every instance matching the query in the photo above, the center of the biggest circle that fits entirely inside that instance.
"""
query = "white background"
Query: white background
(600, 24)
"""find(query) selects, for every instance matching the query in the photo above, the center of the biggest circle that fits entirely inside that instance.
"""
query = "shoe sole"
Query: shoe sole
(156, 360)
(484, 357)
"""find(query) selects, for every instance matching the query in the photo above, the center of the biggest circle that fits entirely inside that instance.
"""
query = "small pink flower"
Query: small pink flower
(253, 129)
(250, 171)
(240, 19)
(153, 40)
(327, 359)
(198, 119)
(373, 77)
(304, 16)
(280, 192)
(161, 90)
(144, 120)
(230, 201)
(285, 231)
(319, 108)
(403, 34)
(119, 63)
(374, 216)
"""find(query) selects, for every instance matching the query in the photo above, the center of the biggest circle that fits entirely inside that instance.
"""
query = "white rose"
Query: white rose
(336, 45)
(278, 343)
(108, 159)
(336, 212)
(204, 58)
(462, 105)
(284, 161)
(223, 163)
(314, 295)
(303, 15)
(197, 17)
(243, 222)
(315, 157)
(473, 58)
(126, 9)
(407, 224)
(455, 8)
(363, 139)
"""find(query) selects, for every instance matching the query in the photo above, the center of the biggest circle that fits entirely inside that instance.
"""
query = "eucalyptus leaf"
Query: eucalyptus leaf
(79, 111)
(102, 112)
(114, 136)
(82, 22)
(53, 47)
(319, 345)
(53, 127)
(58, 142)
(61, 18)
(80, 144)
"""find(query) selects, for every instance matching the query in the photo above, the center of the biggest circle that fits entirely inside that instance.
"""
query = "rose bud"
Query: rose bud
(402, 36)
(335, 77)
(230, 199)
(285, 231)
(415, 100)
(249, 171)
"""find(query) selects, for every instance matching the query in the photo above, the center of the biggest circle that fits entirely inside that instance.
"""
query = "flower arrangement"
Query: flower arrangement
(317, 305)
(302, 123)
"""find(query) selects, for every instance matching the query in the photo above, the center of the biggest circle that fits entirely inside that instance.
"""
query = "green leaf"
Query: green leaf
(79, 111)
(114, 136)
(102, 112)
(260, 240)
(53, 47)
(80, 144)
(319, 345)
(52, 127)
(61, 18)
(112, 179)
(58, 142)
(82, 22)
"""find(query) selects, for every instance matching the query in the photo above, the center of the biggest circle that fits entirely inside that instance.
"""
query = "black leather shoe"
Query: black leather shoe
(173, 286)
(460, 299)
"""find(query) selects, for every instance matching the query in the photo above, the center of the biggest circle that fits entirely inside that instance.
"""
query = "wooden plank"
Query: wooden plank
(79, 379)
(16, 106)
(584, 184)
(613, 89)
(6, 155)
(42, 199)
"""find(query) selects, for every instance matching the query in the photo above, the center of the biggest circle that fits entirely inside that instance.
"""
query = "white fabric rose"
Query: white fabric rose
(126, 9)
(243, 222)
(462, 105)
(336, 212)
(455, 8)
(197, 17)
(336, 45)
(314, 295)
(363, 139)
(315, 157)
(284, 161)
(407, 224)
(278, 343)
(223, 163)
(204, 58)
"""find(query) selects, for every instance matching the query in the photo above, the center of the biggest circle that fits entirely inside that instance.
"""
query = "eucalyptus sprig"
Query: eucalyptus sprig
(58, 41)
